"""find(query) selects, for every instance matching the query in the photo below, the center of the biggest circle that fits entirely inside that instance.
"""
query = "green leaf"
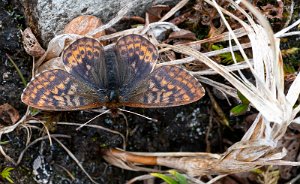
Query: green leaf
(4, 142)
(179, 177)
(239, 109)
(167, 179)
(34, 111)
(5, 174)
(216, 47)
(18, 70)
(243, 98)
(227, 57)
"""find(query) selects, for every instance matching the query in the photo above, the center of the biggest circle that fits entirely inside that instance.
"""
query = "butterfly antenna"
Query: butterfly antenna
(92, 119)
(146, 117)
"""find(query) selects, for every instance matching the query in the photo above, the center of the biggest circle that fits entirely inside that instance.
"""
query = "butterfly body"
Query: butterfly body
(124, 75)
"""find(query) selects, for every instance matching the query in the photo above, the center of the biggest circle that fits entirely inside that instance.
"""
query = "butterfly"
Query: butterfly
(123, 75)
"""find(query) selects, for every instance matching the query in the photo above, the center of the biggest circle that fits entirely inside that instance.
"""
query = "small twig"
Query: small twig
(18, 70)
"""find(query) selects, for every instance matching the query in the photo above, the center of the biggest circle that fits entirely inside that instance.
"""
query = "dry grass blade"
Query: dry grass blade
(178, 6)
(208, 54)
(219, 86)
(37, 140)
(98, 127)
(231, 68)
(5, 155)
(67, 171)
(75, 159)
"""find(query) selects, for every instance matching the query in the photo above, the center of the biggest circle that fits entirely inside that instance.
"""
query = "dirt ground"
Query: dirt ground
(178, 129)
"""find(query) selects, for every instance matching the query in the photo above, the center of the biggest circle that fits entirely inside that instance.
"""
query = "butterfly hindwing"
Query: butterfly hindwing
(58, 90)
(166, 86)
(84, 59)
(137, 58)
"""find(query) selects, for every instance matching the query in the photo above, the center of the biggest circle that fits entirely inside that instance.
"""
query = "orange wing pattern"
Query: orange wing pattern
(84, 59)
(137, 58)
(167, 86)
(58, 90)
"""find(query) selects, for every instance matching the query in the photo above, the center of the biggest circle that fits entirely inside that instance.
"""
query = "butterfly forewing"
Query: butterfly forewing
(137, 58)
(166, 86)
(84, 59)
(58, 90)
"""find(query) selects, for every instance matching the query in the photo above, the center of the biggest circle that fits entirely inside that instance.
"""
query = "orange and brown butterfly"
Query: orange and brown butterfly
(124, 75)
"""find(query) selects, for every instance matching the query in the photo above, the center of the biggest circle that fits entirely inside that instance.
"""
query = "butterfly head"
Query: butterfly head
(114, 96)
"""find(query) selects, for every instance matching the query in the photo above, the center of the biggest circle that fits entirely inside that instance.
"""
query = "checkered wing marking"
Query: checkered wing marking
(167, 86)
(84, 59)
(137, 58)
(58, 90)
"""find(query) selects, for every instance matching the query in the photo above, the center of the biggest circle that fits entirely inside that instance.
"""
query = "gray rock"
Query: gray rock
(47, 18)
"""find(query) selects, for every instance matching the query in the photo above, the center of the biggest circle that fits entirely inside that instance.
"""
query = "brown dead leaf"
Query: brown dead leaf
(138, 19)
(272, 11)
(84, 24)
(181, 18)
(31, 44)
(155, 13)
(9, 114)
(183, 37)
(183, 34)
